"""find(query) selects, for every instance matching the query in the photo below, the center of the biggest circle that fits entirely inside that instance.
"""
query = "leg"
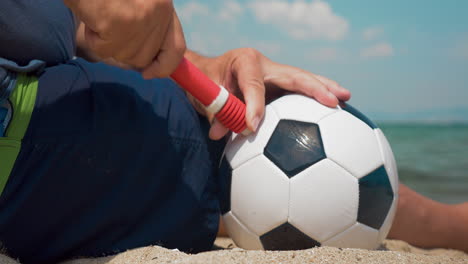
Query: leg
(426, 223)
(109, 162)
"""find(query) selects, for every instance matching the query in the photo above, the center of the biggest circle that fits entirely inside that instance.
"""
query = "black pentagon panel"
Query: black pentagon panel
(294, 146)
(348, 108)
(375, 198)
(224, 183)
(287, 237)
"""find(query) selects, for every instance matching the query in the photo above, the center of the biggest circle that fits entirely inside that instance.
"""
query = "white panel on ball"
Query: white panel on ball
(387, 224)
(301, 108)
(260, 195)
(389, 160)
(254, 144)
(243, 237)
(357, 236)
(350, 143)
(324, 200)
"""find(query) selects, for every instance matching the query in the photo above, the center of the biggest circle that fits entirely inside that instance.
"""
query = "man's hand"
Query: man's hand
(256, 79)
(144, 34)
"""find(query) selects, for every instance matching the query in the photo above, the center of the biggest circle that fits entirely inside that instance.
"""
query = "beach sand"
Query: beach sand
(391, 251)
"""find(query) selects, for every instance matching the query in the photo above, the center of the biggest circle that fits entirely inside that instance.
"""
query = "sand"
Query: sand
(391, 251)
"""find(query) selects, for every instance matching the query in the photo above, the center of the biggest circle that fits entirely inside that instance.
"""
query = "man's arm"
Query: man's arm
(146, 35)
(250, 75)
(425, 223)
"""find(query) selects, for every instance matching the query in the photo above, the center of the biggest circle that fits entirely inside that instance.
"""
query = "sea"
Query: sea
(432, 158)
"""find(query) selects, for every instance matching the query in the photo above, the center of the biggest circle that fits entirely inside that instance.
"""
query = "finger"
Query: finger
(341, 93)
(296, 80)
(171, 53)
(147, 51)
(217, 130)
(102, 48)
(85, 12)
(95, 28)
(249, 74)
(133, 48)
(141, 54)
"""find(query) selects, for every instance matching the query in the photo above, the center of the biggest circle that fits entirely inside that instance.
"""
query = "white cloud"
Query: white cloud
(372, 33)
(192, 9)
(379, 50)
(324, 54)
(302, 19)
(230, 11)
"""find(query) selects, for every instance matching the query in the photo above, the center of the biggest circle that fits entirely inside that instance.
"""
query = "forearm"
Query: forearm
(426, 223)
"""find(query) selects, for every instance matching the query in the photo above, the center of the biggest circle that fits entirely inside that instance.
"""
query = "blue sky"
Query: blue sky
(402, 60)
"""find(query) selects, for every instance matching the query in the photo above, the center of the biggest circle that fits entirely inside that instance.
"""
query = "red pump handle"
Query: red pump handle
(194, 81)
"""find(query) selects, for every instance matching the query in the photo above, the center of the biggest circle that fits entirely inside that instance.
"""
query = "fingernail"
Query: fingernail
(330, 95)
(255, 123)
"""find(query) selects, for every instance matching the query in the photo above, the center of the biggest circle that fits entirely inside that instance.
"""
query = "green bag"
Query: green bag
(22, 101)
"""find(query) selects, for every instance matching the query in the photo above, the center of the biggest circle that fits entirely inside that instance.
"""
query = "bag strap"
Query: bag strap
(22, 101)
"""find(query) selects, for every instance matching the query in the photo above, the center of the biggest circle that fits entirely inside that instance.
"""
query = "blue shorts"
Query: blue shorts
(109, 162)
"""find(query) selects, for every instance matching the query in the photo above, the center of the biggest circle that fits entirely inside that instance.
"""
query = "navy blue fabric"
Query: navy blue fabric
(36, 30)
(109, 162)
(33, 33)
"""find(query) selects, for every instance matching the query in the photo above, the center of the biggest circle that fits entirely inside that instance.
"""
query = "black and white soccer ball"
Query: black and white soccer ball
(310, 176)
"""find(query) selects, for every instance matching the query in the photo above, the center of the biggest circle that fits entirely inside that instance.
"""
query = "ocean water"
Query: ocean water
(432, 158)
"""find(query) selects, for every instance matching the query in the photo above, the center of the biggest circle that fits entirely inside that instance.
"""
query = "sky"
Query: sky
(402, 60)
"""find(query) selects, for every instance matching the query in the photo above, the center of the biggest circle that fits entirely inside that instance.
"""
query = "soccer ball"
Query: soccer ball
(310, 176)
